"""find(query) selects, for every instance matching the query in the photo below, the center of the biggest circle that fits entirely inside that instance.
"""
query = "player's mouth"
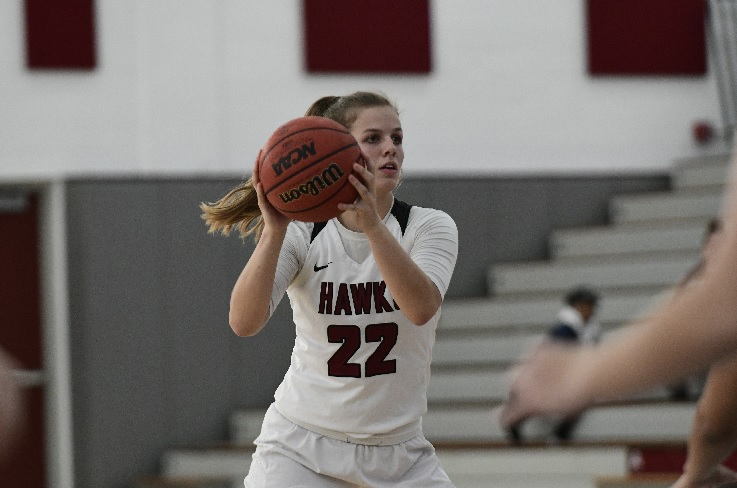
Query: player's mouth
(389, 168)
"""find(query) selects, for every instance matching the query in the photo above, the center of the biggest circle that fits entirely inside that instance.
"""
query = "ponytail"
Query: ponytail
(237, 210)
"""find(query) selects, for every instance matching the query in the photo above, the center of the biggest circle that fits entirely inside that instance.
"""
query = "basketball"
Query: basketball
(304, 168)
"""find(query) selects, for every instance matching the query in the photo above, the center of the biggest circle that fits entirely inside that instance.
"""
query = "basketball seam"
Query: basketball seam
(306, 129)
(307, 209)
(305, 168)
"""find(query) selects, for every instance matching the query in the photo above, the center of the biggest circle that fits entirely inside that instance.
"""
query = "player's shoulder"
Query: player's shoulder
(430, 216)
(300, 230)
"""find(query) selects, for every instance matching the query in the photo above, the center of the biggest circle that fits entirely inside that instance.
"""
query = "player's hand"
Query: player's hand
(546, 384)
(363, 180)
(720, 478)
(272, 217)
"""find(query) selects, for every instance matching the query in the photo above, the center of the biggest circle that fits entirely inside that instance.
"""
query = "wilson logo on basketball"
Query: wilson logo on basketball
(293, 157)
(313, 187)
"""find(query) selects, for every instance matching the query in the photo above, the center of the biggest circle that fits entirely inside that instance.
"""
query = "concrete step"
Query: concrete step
(245, 425)
(489, 351)
(474, 424)
(222, 463)
(644, 480)
(488, 385)
(488, 314)
(469, 467)
(643, 422)
(705, 172)
(700, 203)
(604, 274)
(632, 239)
(186, 482)
(532, 467)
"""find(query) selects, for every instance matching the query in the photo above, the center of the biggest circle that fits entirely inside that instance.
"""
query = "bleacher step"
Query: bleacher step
(186, 482)
(647, 480)
(490, 313)
(667, 205)
(531, 467)
(626, 240)
(490, 385)
(603, 274)
(645, 422)
(710, 171)
(230, 462)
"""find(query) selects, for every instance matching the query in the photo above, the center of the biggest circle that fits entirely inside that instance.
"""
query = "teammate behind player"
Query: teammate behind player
(365, 289)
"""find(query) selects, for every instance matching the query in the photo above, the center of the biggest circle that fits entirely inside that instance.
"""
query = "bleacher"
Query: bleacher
(651, 241)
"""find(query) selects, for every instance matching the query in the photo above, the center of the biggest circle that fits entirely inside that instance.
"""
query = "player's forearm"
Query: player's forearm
(686, 335)
(249, 301)
(705, 455)
(714, 433)
(416, 295)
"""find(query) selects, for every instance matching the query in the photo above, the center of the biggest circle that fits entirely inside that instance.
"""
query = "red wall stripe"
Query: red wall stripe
(60, 34)
(355, 36)
(653, 37)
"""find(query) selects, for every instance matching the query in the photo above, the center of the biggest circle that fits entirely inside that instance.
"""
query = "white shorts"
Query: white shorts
(289, 456)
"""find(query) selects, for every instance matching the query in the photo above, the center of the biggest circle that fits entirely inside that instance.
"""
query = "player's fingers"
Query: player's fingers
(256, 177)
(511, 412)
(362, 190)
(364, 174)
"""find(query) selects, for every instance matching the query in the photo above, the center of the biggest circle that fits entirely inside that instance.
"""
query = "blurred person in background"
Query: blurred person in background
(11, 407)
(683, 336)
(575, 324)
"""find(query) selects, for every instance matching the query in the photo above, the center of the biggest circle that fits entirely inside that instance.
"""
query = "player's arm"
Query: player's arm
(251, 296)
(714, 431)
(416, 294)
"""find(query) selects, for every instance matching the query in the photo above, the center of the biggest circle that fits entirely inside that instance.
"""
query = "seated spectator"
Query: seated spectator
(575, 323)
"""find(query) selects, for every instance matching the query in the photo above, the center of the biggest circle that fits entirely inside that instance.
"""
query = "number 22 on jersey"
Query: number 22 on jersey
(350, 337)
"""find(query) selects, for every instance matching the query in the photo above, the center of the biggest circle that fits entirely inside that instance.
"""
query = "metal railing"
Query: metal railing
(722, 33)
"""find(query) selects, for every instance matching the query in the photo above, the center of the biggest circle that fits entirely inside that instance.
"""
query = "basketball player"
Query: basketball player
(365, 289)
(683, 336)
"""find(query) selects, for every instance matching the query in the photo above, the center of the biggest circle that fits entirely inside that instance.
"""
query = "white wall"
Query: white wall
(196, 86)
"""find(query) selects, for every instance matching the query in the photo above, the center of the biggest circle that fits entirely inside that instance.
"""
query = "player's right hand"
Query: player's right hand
(272, 217)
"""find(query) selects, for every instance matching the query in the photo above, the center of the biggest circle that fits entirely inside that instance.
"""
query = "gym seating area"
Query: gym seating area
(651, 241)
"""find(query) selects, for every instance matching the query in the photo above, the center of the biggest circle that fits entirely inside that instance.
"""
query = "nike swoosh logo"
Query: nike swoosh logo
(319, 268)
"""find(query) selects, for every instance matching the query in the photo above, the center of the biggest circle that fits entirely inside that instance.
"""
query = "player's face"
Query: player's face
(379, 134)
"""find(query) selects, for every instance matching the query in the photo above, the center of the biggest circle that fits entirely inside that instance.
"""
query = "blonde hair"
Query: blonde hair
(238, 209)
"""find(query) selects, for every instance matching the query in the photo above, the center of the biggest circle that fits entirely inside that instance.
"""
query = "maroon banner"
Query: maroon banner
(355, 36)
(653, 37)
(60, 34)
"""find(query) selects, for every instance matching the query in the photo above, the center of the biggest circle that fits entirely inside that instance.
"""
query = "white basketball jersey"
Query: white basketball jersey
(358, 366)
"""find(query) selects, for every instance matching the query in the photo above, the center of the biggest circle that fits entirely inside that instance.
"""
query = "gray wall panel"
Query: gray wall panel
(154, 361)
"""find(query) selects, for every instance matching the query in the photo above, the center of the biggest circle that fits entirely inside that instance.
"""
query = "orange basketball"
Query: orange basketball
(304, 168)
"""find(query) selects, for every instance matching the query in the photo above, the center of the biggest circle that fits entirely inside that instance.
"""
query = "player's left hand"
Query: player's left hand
(365, 208)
